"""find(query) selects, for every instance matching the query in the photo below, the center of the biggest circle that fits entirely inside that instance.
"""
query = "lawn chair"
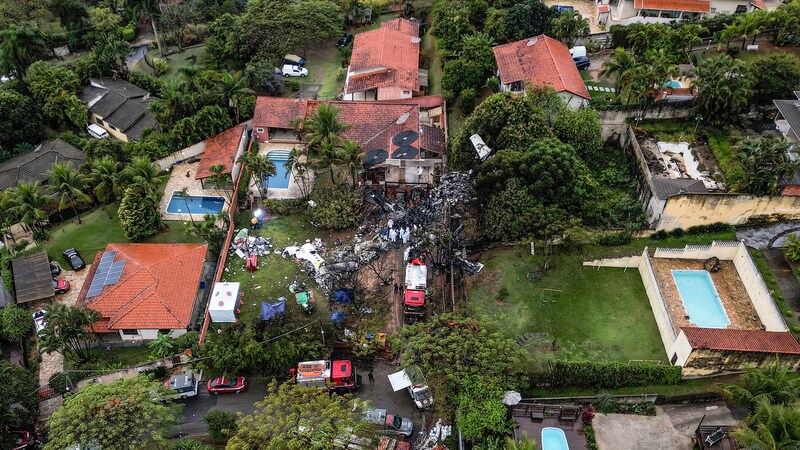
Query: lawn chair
(715, 437)
(537, 412)
(569, 413)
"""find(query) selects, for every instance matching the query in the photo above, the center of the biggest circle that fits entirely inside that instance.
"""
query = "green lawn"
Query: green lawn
(101, 227)
(176, 61)
(118, 357)
(598, 315)
(685, 387)
(435, 61)
(323, 63)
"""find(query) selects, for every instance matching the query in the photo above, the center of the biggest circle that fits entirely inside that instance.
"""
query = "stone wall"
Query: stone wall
(705, 362)
(686, 210)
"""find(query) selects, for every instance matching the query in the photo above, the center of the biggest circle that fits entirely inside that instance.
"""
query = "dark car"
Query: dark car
(74, 259)
(582, 62)
(221, 385)
(344, 40)
(55, 269)
(60, 286)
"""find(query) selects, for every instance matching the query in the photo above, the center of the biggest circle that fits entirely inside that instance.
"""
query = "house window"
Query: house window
(130, 332)
(406, 92)
(674, 359)
(259, 130)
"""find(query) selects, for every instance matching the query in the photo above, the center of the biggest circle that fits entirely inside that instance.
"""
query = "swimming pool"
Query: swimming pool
(675, 84)
(700, 298)
(554, 439)
(282, 176)
(194, 205)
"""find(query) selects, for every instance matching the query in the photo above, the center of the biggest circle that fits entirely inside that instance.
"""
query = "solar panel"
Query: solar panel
(115, 272)
(100, 275)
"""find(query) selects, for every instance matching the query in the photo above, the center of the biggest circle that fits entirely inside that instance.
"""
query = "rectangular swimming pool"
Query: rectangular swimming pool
(700, 298)
(282, 176)
(194, 205)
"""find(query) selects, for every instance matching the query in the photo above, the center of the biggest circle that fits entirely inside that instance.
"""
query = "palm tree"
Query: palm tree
(619, 64)
(105, 173)
(770, 427)
(351, 157)
(688, 35)
(523, 443)
(20, 46)
(69, 330)
(297, 163)
(146, 9)
(726, 35)
(143, 173)
(162, 346)
(723, 89)
(28, 203)
(324, 126)
(766, 164)
(173, 103)
(232, 87)
(184, 195)
(261, 168)
(221, 181)
(774, 383)
(570, 25)
(327, 157)
(68, 185)
(110, 51)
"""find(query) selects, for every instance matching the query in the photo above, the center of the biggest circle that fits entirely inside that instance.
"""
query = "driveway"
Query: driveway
(196, 408)
(768, 236)
(671, 428)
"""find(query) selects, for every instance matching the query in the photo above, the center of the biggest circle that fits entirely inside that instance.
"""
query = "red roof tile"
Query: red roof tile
(791, 190)
(220, 149)
(388, 56)
(759, 4)
(425, 102)
(742, 340)
(275, 112)
(540, 60)
(673, 5)
(432, 139)
(156, 290)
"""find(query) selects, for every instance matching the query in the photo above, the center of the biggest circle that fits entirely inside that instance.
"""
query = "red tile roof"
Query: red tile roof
(425, 102)
(156, 290)
(540, 60)
(759, 4)
(742, 340)
(674, 5)
(791, 190)
(275, 112)
(388, 56)
(220, 149)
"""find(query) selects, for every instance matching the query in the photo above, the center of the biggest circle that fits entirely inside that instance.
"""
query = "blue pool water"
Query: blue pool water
(672, 84)
(197, 205)
(700, 298)
(282, 176)
(554, 439)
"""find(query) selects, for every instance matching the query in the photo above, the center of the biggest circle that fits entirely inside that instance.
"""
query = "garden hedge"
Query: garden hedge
(611, 375)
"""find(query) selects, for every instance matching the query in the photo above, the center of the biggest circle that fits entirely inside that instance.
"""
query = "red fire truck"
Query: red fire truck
(414, 305)
(337, 376)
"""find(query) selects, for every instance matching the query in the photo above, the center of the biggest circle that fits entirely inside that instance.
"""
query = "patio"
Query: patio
(293, 190)
(573, 429)
(182, 176)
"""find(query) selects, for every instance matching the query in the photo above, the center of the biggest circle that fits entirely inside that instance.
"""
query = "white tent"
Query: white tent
(399, 380)
(223, 302)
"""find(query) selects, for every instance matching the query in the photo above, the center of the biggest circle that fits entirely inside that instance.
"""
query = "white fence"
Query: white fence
(724, 250)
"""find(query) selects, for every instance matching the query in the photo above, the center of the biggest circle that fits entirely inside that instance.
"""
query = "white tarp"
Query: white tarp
(399, 380)
(307, 252)
(223, 302)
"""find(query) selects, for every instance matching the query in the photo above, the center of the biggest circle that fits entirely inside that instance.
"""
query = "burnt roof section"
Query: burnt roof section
(32, 278)
(120, 104)
(665, 188)
(33, 165)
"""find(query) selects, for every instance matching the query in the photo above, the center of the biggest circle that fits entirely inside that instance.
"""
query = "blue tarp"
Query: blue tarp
(270, 310)
(343, 296)
(337, 317)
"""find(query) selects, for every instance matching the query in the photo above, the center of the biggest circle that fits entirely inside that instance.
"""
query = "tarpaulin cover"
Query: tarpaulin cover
(343, 296)
(337, 317)
(270, 310)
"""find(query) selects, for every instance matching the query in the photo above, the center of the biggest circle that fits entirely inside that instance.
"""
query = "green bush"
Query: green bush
(466, 100)
(622, 238)
(796, 329)
(494, 84)
(611, 375)
(188, 341)
(712, 228)
(285, 207)
(294, 85)
(337, 207)
(677, 232)
(138, 215)
(128, 32)
(659, 235)
(221, 425)
(792, 248)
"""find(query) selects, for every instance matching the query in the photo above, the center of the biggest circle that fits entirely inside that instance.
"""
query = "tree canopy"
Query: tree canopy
(19, 400)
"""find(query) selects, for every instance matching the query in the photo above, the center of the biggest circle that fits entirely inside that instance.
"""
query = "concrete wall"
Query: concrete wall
(244, 144)
(704, 362)
(393, 93)
(94, 118)
(686, 210)
(621, 262)
(665, 328)
(660, 111)
(149, 335)
(680, 350)
(181, 155)
(725, 250)
(757, 290)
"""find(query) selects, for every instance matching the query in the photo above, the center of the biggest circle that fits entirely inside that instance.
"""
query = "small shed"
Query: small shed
(224, 302)
(32, 277)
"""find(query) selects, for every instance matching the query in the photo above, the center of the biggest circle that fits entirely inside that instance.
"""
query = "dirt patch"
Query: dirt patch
(707, 160)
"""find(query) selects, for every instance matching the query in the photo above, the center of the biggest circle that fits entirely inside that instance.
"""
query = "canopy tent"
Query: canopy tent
(224, 302)
(343, 296)
(399, 380)
(271, 310)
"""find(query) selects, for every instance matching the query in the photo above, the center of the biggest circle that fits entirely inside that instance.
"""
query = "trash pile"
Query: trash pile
(438, 433)
(244, 245)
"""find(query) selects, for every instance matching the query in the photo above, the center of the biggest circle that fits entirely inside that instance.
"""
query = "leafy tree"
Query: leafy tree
(221, 45)
(138, 214)
(337, 208)
(105, 176)
(56, 88)
(506, 216)
(775, 76)
(22, 11)
(495, 25)
(68, 331)
(162, 346)
(19, 400)
(19, 120)
(477, 48)
(723, 90)
(461, 74)
(221, 425)
(74, 16)
(20, 46)
(581, 130)
(149, 9)
(261, 77)
(16, 324)
(28, 204)
(68, 185)
(774, 384)
(570, 25)
(766, 163)
(175, 17)
(529, 18)
(451, 24)
(119, 416)
(104, 19)
(308, 419)
(480, 409)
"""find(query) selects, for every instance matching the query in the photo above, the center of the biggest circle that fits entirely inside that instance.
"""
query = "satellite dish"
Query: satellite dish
(532, 41)
(402, 119)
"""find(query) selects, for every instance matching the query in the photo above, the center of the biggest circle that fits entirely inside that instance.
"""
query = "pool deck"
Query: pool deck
(293, 191)
(576, 438)
(729, 286)
(177, 181)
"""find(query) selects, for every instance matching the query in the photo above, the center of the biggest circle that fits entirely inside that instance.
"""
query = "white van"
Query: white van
(96, 131)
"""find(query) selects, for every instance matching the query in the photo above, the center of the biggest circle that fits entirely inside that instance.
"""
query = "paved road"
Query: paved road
(197, 407)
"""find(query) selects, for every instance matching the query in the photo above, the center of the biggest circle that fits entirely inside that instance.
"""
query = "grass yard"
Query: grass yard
(118, 357)
(101, 227)
(176, 61)
(323, 63)
(435, 63)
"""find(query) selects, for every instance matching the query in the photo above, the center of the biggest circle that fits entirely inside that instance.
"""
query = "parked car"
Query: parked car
(221, 385)
(39, 321)
(582, 62)
(74, 259)
(294, 60)
(344, 40)
(55, 269)
(290, 70)
(60, 286)
(390, 422)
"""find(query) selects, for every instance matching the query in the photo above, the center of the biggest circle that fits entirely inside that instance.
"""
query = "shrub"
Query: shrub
(159, 373)
(138, 215)
(337, 207)
(466, 100)
(294, 85)
(591, 443)
(20, 245)
(622, 238)
(221, 425)
(659, 235)
(284, 207)
(611, 375)
(188, 341)
(788, 313)
(796, 329)
(677, 232)
(161, 65)
(128, 32)
(792, 248)
(712, 228)
(587, 415)
(494, 84)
